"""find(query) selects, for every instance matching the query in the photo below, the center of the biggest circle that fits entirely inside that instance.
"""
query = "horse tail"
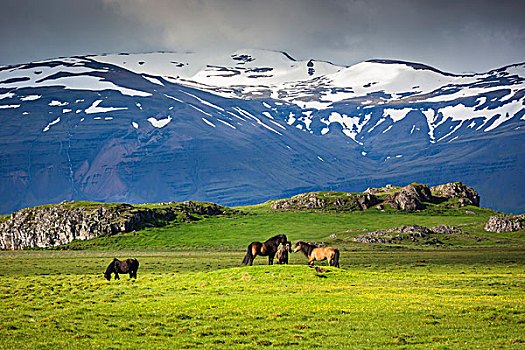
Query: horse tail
(248, 257)
(336, 257)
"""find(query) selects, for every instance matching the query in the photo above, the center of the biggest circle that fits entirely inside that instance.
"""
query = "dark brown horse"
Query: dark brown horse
(267, 248)
(313, 252)
(127, 266)
(282, 253)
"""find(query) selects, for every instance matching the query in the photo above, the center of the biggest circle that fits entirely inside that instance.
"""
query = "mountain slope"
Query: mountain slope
(253, 125)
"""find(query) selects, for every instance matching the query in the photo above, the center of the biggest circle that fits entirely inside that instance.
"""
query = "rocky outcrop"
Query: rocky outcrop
(505, 223)
(447, 230)
(382, 190)
(466, 195)
(327, 201)
(410, 197)
(54, 225)
(413, 233)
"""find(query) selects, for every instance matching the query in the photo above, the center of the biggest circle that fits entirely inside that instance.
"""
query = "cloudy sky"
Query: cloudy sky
(456, 36)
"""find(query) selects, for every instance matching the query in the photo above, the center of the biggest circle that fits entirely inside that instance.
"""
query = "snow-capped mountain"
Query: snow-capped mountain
(254, 124)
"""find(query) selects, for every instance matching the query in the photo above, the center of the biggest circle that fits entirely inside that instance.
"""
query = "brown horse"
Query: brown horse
(282, 253)
(127, 266)
(267, 248)
(313, 252)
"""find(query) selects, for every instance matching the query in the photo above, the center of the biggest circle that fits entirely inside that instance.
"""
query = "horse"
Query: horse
(127, 266)
(313, 252)
(282, 253)
(267, 248)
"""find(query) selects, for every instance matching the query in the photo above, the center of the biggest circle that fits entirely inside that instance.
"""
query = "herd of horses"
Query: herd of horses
(269, 248)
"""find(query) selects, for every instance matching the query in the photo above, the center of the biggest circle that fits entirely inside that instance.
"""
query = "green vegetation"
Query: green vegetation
(192, 293)
(4, 218)
(237, 230)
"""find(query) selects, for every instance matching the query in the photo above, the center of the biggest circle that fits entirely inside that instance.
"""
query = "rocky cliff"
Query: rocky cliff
(53, 225)
(408, 198)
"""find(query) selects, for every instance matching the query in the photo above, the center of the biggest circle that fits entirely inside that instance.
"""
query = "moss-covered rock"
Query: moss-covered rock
(327, 201)
(410, 197)
(505, 223)
(466, 195)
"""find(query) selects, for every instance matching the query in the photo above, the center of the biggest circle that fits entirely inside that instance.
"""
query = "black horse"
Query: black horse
(267, 248)
(127, 266)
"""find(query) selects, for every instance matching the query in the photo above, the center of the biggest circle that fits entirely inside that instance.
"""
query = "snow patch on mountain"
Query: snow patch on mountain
(226, 123)
(56, 103)
(351, 125)
(153, 80)
(462, 113)
(70, 74)
(9, 106)
(51, 124)
(208, 122)
(160, 123)
(30, 98)
(94, 108)
(7, 95)
(203, 101)
(396, 114)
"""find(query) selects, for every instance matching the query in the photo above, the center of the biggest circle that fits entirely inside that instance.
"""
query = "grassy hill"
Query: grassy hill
(236, 231)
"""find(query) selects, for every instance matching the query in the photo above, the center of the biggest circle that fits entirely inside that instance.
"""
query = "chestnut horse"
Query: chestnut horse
(313, 252)
(127, 266)
(267, 248)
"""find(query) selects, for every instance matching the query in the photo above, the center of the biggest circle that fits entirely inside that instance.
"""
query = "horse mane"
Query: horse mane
(306, 248)
(278, 237)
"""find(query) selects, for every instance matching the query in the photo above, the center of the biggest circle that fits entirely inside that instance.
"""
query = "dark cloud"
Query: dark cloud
(458, 36)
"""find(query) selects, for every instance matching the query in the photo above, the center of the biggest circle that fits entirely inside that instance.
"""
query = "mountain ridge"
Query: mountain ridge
(85, 128)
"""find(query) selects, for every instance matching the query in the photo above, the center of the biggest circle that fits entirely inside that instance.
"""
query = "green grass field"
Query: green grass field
(191, 291)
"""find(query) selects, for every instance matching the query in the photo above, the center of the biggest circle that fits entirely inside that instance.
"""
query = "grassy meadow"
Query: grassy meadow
(191, 291)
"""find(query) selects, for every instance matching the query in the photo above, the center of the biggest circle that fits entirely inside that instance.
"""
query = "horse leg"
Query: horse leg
(270, 259)
(254, 254)
(116, 276)
(332, 260)
(310, 261)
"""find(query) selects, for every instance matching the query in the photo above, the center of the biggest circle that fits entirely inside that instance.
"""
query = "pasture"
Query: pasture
(191, 291)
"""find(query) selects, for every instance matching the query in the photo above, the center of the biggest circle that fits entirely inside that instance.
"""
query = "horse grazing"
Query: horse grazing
(127, 266)
(282, 253)
(267, 248)
(313, 252)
